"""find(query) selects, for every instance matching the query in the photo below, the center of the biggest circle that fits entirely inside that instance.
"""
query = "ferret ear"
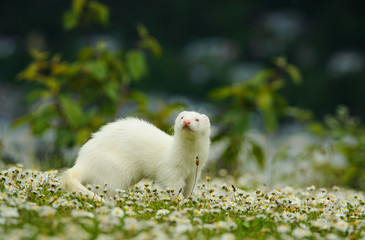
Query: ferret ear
(205, 119)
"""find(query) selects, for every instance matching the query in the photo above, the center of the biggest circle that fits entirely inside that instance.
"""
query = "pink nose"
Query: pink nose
(186, 122)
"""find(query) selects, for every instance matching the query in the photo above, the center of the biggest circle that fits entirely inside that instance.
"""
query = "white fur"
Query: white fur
(127, 150)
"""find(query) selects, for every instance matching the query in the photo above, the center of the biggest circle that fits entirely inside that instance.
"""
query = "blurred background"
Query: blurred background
(282, 81)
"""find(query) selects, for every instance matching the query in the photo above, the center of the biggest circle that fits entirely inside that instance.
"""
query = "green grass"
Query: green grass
(33, 206)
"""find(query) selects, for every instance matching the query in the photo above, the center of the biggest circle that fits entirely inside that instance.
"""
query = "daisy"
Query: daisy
(301, 233)
(117, 212)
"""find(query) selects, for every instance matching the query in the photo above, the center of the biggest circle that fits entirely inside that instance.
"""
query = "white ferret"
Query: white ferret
(127, 150)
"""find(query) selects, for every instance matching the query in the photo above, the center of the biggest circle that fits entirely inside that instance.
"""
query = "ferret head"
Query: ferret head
(192, 123)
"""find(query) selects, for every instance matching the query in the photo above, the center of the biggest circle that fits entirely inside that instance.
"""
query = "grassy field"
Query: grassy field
(33, 206)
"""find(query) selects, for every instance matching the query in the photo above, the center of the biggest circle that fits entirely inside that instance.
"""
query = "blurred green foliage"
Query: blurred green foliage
(262, 33)
(345, 135)
(76, 98)
(240, 102)
(84, 13)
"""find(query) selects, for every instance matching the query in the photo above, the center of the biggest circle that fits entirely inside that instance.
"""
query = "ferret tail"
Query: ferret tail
(71, 181)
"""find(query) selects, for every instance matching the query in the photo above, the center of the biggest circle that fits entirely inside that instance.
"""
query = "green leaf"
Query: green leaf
(112, 91)
(97, 69)
(264, 99)
(72, 111)
(82, 136)
(299, 114)
(30, 73)
(70, 20)
(86, 53)
(136, 63)
(152, 44)
(147, 41)
(294, 74)
(221, 93)
(37, 55)
(233, 149)
(261, 77)
(39, 124)
(258, 153)
(281, 62)
(142, 31)
(277, 84)
(77, 5)
(316, 128)
(270, 120)
(41, 118)
(99, 13)
(64, 138)
(229, 117)
(242, 123)
(21, 121)
(140, 98)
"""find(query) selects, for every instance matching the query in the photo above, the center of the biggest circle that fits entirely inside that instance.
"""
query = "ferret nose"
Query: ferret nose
(187, 122)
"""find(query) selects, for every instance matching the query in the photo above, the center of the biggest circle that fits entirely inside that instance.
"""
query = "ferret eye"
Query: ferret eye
(197, 119)
(182, 117)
